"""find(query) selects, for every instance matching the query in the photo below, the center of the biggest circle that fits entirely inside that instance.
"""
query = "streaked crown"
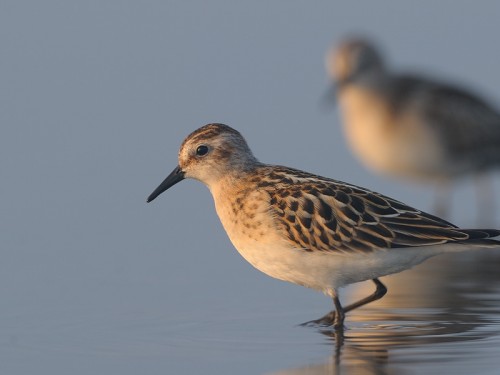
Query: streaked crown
(213, 151)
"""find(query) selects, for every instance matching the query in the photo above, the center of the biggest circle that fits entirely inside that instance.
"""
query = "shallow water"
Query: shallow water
(441, 316)
(97, 98)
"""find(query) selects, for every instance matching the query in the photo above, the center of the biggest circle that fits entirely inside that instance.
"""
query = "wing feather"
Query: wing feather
(320, 214)
(468, 125)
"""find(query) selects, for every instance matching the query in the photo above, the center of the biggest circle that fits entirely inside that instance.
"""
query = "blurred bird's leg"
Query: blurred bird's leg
(485, 197)
(442, 202)
(329, 98)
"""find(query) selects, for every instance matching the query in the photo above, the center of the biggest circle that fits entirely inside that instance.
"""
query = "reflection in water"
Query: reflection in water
(446, 311)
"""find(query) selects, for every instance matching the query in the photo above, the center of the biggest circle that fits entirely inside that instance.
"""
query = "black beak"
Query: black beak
(176, 176)
(329, 98)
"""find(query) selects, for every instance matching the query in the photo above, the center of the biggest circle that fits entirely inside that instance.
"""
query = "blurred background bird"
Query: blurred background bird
(413, 126)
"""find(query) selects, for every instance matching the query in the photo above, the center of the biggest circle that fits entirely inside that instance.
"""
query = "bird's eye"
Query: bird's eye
(202, 150)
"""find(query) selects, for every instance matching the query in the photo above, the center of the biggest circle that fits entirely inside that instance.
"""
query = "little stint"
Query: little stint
(412, 126)
(310, 230)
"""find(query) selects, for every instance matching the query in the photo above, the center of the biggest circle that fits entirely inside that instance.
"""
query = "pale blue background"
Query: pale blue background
(95, 99)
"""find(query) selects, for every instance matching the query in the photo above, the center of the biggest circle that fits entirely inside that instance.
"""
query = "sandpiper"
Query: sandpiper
(413, 126)
(310, 230)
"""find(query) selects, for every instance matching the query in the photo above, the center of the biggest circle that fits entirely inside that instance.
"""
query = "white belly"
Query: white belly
(327, 271)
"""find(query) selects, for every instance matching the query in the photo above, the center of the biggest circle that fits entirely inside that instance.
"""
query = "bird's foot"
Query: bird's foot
(328, 320)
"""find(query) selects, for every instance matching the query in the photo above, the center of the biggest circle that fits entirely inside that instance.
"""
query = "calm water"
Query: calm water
(96, 98)
(441, 316)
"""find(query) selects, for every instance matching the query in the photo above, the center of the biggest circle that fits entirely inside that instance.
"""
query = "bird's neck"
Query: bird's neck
(232, 179)
(375, 78)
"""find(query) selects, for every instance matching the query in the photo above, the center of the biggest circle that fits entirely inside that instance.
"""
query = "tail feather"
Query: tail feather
(482, 237)
(476, 234)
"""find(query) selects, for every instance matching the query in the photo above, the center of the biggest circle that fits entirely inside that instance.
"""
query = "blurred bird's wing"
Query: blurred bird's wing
(468, 125)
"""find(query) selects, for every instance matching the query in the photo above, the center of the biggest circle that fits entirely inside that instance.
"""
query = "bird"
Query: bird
(310, 230)
(414, 127)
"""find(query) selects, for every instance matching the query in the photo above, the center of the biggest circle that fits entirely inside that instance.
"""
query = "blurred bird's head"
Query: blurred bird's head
(354, 60)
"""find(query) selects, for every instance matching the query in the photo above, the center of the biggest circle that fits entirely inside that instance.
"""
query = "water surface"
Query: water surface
(441, 316)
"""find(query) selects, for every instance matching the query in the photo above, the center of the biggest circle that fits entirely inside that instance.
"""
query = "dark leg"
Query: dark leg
(379, 293)
(327, 320)
(338, 324)
(336, 317)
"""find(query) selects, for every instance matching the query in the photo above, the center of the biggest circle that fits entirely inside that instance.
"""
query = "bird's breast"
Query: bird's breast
(251, 227)
(386, 140)
(245, 215)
